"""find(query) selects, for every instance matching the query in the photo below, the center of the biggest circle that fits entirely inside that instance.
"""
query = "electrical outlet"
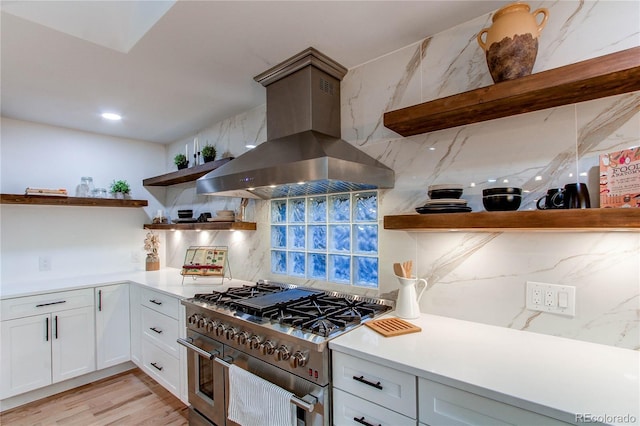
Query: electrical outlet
(135, 256)
(549, 298)
(537, 296)
(552, 298)
(44, 263)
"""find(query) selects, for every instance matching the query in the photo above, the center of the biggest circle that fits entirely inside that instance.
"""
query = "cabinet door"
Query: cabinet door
(351, 410)
(112, 325)
(444, 405)
(73, 344)
(135, 309)
(25, 362)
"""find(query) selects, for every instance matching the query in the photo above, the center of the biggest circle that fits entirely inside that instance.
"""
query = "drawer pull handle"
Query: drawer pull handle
(46, 328)
(155, 329)
(361, 379)
(155, 302)
(156, 366)
(362, 421)
(51, 303)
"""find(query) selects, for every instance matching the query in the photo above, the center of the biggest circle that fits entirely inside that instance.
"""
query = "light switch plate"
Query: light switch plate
(552, 298)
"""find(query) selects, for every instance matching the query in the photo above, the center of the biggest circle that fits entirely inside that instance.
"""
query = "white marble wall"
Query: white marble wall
(476, 276)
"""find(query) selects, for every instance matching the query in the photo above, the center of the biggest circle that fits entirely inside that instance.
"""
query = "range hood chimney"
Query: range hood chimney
(303, 154)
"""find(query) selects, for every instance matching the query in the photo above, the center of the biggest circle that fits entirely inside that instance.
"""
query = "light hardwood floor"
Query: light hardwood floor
(129, 398)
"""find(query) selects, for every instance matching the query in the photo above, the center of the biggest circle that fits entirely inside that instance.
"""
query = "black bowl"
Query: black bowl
(185, 214)
(499, 191)
(437, 194)
(501, 202)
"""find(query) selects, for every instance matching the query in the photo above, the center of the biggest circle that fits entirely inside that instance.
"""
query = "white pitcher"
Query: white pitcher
(407, 304)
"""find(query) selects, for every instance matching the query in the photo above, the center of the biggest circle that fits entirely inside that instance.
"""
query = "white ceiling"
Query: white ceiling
(195, 65)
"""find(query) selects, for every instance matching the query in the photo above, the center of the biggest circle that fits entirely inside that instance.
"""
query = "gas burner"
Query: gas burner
(313, 311)
(323, 326)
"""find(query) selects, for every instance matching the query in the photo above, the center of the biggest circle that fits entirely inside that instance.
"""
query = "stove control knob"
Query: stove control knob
(242, 337)
(193, 319)
(282, 353)
(230, 333)
(211, 325)
(220, 328)
(298, 359)
(202, 321)
(254, 342)
(267, 348)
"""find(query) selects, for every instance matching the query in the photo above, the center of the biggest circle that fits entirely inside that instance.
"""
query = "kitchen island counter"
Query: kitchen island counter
(167, 280)
(553, 376)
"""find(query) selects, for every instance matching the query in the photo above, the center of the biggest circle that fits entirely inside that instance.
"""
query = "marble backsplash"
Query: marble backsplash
(474, 276)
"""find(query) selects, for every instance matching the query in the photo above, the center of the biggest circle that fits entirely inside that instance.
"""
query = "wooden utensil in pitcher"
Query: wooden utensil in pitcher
(398, 270)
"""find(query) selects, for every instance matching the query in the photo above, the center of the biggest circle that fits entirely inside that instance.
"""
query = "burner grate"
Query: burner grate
(306, 309)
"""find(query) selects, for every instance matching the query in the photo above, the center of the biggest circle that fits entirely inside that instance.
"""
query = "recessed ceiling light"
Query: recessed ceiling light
(111, 116)
(250, 146)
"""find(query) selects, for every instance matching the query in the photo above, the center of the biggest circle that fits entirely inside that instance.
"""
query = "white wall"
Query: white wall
(475, 276)
(78, 240)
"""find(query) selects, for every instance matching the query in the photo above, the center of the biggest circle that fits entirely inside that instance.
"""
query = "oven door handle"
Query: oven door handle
(307, 402)
(196, 349)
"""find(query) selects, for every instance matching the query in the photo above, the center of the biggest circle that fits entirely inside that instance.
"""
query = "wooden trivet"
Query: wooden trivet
(390, 327)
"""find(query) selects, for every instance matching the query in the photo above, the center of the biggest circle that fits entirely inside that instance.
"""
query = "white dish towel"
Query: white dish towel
(254, 401)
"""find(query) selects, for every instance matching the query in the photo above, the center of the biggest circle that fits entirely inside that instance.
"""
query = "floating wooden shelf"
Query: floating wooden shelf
(607, 75)
(185, 175)
(69, 201)
(556, 220)
(202, 226)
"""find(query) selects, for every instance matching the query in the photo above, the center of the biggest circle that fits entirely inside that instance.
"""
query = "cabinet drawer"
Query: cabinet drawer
(161, 302)
(164, 368)
(45, 303)
(382, 385)
(351, 410)
(441, 404)
(160, 329)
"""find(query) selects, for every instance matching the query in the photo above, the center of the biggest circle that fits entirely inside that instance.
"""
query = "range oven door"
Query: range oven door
(304, 390)
(205, 377)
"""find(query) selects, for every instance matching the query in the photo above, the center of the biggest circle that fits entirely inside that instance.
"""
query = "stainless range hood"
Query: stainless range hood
(303, 154)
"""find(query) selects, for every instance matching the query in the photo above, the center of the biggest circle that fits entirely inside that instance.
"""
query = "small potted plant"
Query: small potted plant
(120, 189)
(151, 244)
(208, 153)
(181, 161)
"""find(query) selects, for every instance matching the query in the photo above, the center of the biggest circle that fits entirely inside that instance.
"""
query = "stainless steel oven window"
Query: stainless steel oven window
(205, 378)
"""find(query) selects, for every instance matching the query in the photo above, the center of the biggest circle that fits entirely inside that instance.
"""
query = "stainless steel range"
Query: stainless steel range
(277, 331)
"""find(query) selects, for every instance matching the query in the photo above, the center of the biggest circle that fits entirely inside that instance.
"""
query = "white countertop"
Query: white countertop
(550, 375)
(167, 280)
(555, 376)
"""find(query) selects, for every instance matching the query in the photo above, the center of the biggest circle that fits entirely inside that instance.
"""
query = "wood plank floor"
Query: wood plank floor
(129, 398)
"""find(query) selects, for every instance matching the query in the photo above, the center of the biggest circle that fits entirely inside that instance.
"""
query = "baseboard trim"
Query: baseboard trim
(34, 395)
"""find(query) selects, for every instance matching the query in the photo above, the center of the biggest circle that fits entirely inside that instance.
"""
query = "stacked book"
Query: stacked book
(46, 192)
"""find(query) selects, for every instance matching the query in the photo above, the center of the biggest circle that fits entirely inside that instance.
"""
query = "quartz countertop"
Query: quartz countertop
(167, 280)
(550, 375)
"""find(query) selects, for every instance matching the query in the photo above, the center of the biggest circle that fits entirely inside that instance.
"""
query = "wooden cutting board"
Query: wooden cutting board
(390, 327)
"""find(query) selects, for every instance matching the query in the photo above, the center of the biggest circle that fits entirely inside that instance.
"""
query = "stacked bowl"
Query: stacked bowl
(444, 198)
(223, 216)
(501, 199)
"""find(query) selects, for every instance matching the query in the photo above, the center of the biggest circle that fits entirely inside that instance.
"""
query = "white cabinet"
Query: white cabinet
(156, 325)
(46, 339)
(445, 405)
(72, 343)
(135, 308)
(113, 338)
(352, 410)
(369, 393)
(25, 363)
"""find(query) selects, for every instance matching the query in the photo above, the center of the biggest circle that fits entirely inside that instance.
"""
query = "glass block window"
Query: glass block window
(327, 237)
